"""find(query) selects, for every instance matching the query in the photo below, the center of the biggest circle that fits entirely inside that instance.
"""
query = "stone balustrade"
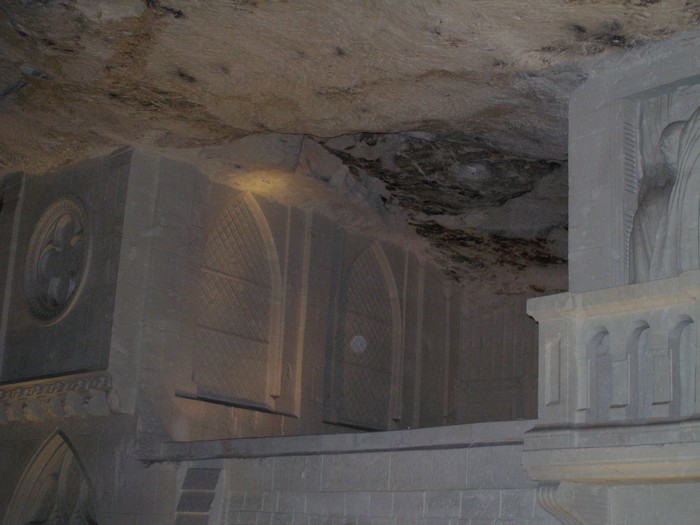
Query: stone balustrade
(619, 354)
(618, 402)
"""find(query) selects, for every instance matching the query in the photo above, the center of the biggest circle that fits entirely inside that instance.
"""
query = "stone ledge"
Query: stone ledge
(677, 462)
(657, 451)
(457, 436)
(628, 298)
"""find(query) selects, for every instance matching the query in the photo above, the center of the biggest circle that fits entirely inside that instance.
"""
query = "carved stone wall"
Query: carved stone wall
(497, 363)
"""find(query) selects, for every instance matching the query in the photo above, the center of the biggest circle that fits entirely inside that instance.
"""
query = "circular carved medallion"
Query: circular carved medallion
(56, 259)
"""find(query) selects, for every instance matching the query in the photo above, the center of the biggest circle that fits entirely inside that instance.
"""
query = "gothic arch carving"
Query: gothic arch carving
(53, 489)
(594, 369)
(636, 350)
(239, 310)
(683, 353)
(365, 384)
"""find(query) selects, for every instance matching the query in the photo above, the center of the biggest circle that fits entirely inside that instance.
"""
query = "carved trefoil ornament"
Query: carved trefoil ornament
(57, 260)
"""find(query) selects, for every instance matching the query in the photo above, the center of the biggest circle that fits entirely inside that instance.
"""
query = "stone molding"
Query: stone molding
(617, 454)
(472, 435)
(75, 396)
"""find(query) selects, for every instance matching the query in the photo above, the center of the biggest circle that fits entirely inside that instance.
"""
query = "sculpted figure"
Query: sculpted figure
(653, 204)
(665, 232)
(677, 243)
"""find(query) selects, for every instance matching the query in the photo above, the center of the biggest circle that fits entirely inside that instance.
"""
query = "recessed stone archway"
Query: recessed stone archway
(53, 489)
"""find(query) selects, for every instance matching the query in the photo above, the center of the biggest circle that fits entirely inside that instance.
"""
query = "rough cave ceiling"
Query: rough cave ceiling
(457, 107)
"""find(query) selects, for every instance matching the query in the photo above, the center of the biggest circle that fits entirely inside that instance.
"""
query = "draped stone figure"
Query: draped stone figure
(665, 232)
(656, 189)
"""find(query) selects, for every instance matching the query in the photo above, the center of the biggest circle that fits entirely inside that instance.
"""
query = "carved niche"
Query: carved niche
(662, 184)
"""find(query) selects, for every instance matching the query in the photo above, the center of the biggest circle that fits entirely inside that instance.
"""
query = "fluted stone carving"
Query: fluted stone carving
(573, 503)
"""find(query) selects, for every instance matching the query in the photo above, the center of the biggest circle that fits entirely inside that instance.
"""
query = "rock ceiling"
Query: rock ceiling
(458, 108)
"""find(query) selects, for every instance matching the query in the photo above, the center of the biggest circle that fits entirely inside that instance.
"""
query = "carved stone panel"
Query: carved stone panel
(234, 320)
(51, 400)
(59, 297)
(620, 182)
(662, 143)
(364, 346)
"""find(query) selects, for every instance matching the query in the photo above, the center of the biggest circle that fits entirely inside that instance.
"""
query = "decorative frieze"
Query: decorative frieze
(38, 401)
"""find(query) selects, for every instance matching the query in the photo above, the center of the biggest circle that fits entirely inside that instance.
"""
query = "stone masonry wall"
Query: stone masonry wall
(475, 483)
(477, 486)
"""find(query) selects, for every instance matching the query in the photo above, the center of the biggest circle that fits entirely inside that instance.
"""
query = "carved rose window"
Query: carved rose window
(56, 259)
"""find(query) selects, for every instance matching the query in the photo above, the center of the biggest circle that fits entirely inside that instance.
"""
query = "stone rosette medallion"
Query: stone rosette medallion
(57, 260)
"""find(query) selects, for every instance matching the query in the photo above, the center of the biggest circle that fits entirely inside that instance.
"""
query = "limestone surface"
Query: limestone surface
(472, 97)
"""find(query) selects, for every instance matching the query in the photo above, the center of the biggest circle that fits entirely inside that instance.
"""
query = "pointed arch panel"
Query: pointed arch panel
(366, 344)
(236, 350)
